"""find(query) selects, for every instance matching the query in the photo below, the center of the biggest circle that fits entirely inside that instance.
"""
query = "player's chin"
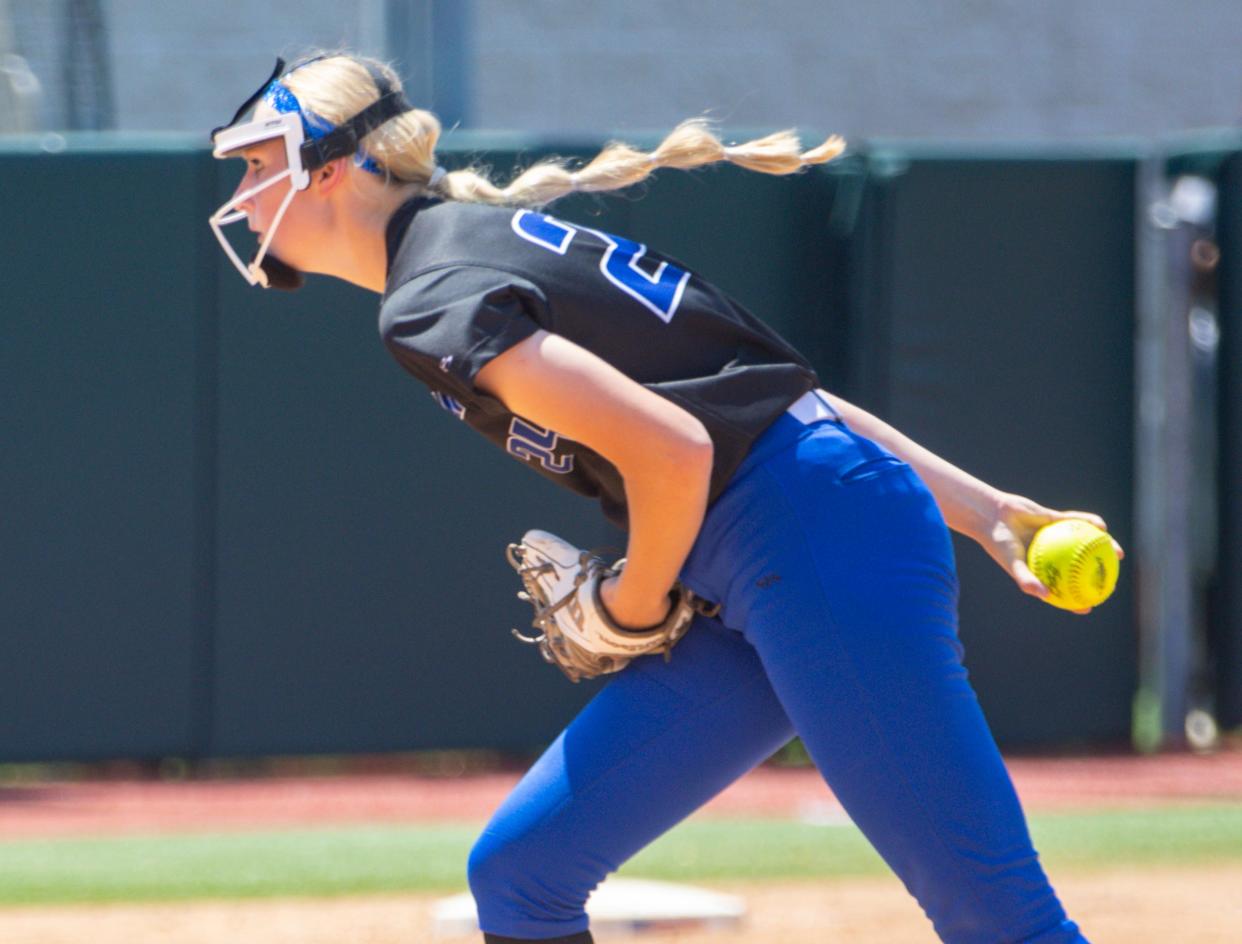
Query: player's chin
(292, 252)
(285, 255)
(281, 275)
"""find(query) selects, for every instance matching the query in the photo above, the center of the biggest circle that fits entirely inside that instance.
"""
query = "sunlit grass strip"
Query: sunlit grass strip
(373, 859)
(334, 861)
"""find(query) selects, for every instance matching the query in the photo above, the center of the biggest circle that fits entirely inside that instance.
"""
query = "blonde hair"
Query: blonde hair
(338, 87)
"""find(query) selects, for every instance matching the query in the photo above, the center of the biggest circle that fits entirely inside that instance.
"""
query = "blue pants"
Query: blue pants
(838, 623)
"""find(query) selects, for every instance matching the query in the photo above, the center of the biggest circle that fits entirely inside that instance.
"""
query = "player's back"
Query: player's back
(646, 313)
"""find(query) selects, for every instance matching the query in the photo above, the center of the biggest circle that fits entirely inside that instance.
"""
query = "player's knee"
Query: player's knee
(491, 867)
(522, 891)
(503, 876)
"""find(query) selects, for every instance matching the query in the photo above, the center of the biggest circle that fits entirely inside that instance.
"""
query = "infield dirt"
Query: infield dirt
(1149, 906)
(1185, 905)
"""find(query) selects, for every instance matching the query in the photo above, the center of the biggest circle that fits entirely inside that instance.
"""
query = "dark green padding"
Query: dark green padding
(106, 293)
(1225, 613)
(996, 326)
(235, 527)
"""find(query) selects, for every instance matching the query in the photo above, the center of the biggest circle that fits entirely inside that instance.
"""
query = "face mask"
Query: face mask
(310, 142)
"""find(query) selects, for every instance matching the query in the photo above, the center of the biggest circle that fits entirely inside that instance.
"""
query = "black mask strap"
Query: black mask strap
(344, 140)
(340, 142)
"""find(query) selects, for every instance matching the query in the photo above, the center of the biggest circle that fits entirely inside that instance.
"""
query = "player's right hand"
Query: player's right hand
(1016, 519)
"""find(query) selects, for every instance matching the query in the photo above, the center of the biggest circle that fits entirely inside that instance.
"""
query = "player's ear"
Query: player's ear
(328, 178)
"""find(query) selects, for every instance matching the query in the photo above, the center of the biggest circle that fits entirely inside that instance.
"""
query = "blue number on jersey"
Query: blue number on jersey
(543, 230)
(660, 291)
(528, 441)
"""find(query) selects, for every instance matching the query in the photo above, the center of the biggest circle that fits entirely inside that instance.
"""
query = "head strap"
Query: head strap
(345, 139)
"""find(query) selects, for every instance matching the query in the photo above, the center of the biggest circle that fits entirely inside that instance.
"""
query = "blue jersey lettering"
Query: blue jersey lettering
(449, 403)
(528, 441)
(659, 291)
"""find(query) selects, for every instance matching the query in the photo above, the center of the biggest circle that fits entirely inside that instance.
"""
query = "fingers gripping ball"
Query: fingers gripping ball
(1076, 561)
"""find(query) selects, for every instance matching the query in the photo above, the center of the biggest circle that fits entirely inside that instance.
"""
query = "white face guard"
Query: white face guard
(302, 156)
(227, 143)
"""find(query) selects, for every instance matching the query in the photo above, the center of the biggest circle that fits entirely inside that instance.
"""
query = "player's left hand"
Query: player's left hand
(1015, 522)
(630, 615)
(576, 632)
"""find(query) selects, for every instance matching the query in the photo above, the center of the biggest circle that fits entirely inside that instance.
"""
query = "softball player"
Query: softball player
(619, 373)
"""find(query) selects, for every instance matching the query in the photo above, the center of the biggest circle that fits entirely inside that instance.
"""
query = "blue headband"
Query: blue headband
(314, 127)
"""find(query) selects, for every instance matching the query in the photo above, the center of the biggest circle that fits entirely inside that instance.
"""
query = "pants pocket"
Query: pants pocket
(869, 468)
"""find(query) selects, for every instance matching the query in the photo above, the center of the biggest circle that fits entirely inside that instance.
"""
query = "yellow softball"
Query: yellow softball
(1075, 560)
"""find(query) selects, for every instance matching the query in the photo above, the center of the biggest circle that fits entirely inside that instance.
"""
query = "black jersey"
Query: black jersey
(468, 281)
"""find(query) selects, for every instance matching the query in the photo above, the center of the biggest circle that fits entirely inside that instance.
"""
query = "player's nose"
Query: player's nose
(244, 206)
(243, 185)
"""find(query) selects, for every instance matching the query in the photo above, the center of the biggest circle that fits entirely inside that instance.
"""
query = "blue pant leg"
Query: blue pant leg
(836, 565)
(656, 743)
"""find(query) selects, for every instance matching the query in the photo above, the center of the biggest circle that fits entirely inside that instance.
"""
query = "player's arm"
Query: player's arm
(1001, 522)
(663, 453)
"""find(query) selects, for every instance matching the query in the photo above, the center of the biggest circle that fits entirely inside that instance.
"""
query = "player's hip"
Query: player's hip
(816, 502)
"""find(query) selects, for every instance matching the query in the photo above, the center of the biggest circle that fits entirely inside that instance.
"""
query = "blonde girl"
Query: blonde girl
(614, 371)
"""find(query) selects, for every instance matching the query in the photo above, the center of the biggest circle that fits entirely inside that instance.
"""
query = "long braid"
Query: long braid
(691, 144)
(340, 86)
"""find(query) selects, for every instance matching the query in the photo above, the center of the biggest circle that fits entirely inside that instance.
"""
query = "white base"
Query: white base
(619, 905)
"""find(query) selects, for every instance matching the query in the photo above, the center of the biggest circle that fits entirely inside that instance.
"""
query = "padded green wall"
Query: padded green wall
(363, 599)
(104, 298)
(996, 326)
(235, 527)
(1225, 621)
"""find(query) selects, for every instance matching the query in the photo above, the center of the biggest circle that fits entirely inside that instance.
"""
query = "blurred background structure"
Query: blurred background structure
(953, 69)
(1029, 260)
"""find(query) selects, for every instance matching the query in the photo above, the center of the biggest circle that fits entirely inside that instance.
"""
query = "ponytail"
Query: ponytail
(338, 87)
(691, 144)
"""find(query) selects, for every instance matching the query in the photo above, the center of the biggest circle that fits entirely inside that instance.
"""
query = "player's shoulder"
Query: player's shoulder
(456, 287)
(426, 235)
(453, 282)
(427, 227)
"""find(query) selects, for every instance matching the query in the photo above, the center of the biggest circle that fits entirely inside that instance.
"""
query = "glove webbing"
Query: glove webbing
(533, 595)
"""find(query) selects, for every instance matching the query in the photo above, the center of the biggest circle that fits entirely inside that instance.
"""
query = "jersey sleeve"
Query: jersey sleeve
(450, 322)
